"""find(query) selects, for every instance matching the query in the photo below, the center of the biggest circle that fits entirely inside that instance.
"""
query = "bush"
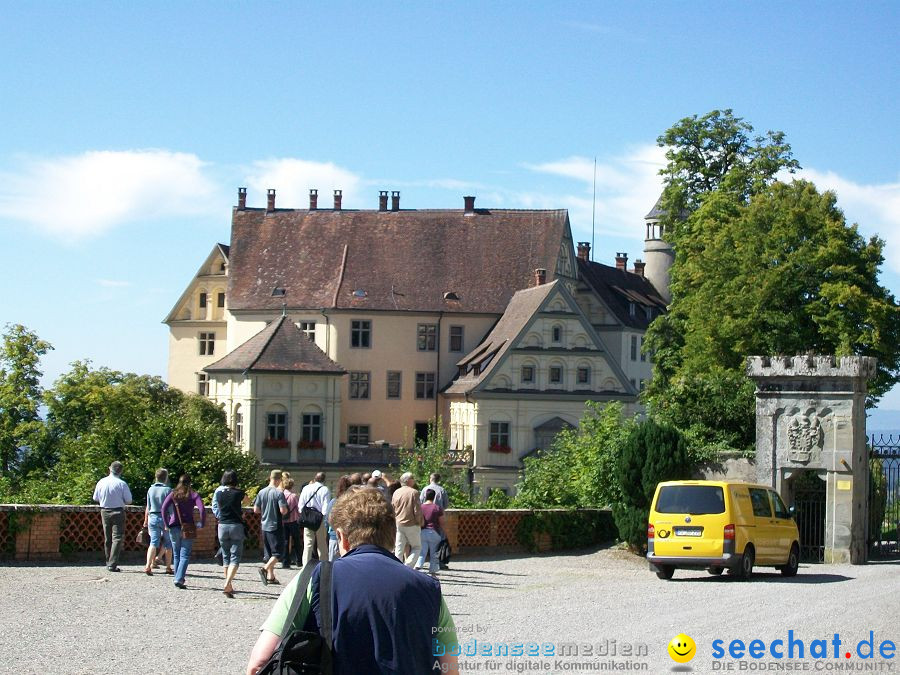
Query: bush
(579, 469)
(651, 454)
(567, 529)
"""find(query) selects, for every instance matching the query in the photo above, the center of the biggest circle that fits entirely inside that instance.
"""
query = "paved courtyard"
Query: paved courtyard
(78, 618)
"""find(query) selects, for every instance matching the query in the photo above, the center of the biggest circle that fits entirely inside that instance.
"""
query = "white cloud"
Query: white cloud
(84, 195)
(876, 208)
(628, 186)
(293, 178)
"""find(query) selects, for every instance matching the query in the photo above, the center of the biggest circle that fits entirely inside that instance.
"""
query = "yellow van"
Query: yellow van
(719, 525)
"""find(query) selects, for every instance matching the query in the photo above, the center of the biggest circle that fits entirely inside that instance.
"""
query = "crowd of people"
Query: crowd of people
(372, 527)
(295, 526)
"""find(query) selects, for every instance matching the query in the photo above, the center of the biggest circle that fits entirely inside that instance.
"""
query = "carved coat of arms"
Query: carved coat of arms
(804, 434)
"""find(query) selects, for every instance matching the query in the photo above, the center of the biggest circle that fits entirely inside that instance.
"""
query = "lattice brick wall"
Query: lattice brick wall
(252, 520)
(506, 528)
(81, 531)
(474, 529)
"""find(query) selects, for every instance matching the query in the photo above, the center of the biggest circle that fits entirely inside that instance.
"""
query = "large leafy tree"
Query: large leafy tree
(100, 415)
(761, 267)
(20, 395)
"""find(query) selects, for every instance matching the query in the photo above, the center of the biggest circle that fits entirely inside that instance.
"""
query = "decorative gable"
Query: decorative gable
(565, 260)
(204, 297)
(543, 344)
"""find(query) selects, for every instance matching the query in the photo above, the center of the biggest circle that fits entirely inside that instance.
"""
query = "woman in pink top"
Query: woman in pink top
(432, 531)
(292, 541)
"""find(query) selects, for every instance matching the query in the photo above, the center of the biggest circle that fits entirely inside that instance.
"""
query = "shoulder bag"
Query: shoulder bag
(303, 652)
(311, 518)
(188, 530)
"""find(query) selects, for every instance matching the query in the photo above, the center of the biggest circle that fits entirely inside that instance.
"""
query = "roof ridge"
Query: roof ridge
(268, 341)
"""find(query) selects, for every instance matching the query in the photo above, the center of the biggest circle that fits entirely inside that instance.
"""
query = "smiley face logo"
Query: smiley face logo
(682, 648)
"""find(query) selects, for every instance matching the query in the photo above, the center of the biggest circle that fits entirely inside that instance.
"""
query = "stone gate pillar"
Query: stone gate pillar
(811, 415)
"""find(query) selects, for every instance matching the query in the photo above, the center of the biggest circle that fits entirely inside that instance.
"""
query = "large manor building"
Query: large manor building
(332, 336)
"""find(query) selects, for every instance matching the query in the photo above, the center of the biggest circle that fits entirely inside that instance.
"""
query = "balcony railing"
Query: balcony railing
(381, 454)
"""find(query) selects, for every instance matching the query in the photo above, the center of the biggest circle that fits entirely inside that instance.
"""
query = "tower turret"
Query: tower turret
(658, 253)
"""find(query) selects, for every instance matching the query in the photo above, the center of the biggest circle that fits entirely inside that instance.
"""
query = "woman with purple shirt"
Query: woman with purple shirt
(431, 533)
(178, 508)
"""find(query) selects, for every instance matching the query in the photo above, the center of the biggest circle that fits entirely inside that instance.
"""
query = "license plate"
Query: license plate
(688, 531)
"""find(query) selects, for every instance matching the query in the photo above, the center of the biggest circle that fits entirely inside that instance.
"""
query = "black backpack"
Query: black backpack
(302, 652)
(311, 518)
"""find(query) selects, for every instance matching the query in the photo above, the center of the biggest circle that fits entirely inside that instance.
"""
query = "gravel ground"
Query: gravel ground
(65, 618)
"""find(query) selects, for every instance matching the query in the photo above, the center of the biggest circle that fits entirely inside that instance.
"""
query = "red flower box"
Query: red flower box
(310, 445)
(496, 447)
(276, 443)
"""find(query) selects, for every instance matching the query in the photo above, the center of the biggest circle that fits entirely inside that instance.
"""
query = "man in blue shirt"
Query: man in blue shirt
(113, 493)
(368, 586)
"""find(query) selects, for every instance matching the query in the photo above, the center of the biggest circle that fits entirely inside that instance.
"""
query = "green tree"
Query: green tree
(651, 454)
(97, 416)
(761, 267)
(20, 396)
(433, 456)
(578, 470)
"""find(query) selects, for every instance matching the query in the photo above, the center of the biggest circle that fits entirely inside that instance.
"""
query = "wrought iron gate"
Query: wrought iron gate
(884, 497)
(809, 505)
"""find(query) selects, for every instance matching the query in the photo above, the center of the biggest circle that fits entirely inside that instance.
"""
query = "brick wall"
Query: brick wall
(52, 532)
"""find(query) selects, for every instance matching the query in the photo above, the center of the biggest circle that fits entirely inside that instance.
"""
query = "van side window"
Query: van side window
(760, 500)
(780, 509)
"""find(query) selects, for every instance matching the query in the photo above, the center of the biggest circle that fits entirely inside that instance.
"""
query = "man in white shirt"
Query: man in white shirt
(113, 493)
(315, 496)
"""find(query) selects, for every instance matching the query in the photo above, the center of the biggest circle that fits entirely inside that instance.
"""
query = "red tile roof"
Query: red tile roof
(279, 347)
(390, 260)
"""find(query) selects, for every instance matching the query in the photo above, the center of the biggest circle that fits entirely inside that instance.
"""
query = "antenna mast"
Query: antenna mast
(594, 209)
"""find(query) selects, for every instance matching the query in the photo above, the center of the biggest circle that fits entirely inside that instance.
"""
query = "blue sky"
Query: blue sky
(127, 128)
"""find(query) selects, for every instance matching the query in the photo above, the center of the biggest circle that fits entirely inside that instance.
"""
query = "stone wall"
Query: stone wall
(729, 466)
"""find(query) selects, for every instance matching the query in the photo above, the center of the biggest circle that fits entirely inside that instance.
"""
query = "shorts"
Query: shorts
(275, 543)
(157, 531)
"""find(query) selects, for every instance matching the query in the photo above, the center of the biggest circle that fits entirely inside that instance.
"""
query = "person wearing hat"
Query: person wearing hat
(408, 512)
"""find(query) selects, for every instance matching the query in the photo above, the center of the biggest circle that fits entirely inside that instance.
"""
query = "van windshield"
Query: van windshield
(692, 499)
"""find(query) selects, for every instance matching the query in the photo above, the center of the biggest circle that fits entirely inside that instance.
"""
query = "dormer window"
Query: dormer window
(557, 334)
(632, 309)
(203, 301)
(359, 293)
(649, 312)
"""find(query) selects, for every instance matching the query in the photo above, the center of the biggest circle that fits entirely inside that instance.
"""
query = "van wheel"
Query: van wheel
(793, 563)
(746, 569)
(665, 571)
(716, 571)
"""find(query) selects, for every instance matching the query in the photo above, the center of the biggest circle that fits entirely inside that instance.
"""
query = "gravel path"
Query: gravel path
(81, 619)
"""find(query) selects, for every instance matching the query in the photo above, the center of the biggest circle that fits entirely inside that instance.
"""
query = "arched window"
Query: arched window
(557, 334)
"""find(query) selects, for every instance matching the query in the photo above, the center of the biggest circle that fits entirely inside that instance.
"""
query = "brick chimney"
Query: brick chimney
(382, 200)
(270, 201)
(621, 261)
(584, 250)
(338, 197)
(313, 200)
(639, 266)
(540, 276)
(395, 201)
(242, 198)
(469, 203)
